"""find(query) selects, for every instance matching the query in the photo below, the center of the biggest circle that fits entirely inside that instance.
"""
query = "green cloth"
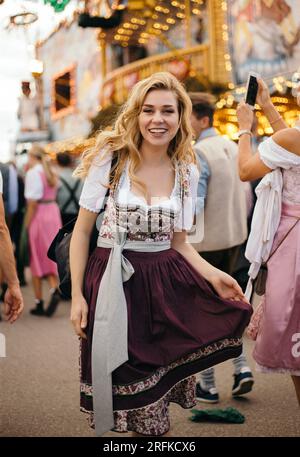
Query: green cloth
(58, 5)
(228, 415)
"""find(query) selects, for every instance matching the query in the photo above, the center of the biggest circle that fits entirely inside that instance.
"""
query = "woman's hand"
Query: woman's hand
(13, 303)
(263, 97)
(79, 313)
(225, 286)
(245, 116)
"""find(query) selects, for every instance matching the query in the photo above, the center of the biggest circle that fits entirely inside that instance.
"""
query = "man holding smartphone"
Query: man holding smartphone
(222, 197)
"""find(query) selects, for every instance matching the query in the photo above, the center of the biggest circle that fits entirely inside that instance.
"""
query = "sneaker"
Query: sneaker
(243, 383)
(54, 300)
(206, 396)
(39, 308)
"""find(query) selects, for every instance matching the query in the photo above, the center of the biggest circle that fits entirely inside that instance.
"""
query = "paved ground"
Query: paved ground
(39, 388)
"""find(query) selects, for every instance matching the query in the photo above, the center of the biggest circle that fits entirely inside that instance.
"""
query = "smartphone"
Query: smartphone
(252, 89)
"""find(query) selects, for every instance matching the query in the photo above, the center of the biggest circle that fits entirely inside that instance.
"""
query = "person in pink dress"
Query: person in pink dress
(275, 236)
(42, 221)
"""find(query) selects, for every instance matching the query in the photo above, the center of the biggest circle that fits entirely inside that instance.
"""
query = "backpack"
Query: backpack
(59, 250)
(72, 194)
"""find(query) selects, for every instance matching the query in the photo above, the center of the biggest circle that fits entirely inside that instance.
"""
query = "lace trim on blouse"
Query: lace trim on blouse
(142, 222)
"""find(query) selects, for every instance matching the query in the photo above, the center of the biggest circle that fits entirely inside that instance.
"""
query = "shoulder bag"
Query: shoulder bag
(60, 246)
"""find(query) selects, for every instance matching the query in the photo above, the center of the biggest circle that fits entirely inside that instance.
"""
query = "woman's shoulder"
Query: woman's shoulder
(34, 172)
(102, 158)
(288, 139)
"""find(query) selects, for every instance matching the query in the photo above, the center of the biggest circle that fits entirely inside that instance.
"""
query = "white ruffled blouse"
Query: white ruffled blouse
(165, 216)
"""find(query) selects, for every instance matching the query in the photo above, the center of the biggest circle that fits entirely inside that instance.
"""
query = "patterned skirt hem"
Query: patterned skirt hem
(153, 419)
(143, 406)
(158, 376)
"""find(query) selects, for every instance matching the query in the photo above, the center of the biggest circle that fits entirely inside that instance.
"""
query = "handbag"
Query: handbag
(59, 250)
(259, 283)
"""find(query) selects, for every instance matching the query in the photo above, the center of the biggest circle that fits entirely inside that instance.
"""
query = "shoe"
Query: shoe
(243, 383)
(54, 300)
(39, 309)
(206, 396)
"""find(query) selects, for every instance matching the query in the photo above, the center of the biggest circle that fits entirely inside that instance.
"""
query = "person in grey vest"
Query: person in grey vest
(69, 188)
(222, 197)
(13, 299)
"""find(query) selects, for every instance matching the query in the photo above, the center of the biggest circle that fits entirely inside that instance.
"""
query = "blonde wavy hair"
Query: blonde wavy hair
(39, 153)
(125, 139)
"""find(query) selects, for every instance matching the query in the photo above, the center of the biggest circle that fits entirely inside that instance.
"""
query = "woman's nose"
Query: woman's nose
(157, 117)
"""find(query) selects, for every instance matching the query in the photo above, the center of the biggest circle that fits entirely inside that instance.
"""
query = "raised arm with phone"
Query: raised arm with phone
(250, 165)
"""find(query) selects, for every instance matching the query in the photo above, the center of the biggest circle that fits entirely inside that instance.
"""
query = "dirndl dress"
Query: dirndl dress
(177, 324)
(277, 347)
(44, 226)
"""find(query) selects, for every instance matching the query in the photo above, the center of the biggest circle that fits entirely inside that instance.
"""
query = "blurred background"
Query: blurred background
(77, 61)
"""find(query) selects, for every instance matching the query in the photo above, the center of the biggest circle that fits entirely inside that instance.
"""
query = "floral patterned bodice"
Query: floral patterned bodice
(149, 223)
(291, 186)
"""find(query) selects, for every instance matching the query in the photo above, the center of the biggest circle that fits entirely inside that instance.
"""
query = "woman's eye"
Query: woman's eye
(169, 111)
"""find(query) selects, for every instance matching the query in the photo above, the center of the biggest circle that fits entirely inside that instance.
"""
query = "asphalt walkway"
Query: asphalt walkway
(39, 393)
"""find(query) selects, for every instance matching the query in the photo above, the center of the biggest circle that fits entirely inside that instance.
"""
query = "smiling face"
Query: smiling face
(159, 118)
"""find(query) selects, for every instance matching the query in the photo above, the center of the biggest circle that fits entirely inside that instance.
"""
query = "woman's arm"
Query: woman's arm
(79, 250)
(13, 298)
(265, 102)
(226, 287)
(273, 116)
(250, 165)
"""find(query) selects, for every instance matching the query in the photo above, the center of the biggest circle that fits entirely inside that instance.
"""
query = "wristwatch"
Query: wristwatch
(244, 132)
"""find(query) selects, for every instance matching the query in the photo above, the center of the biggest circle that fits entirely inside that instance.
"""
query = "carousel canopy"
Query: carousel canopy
(139, 20)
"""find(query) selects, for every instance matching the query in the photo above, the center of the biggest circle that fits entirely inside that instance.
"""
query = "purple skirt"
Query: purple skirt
(177, 326)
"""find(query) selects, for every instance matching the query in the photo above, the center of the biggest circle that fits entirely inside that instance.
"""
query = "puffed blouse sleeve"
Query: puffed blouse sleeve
(34, 188)
(94, 190)
(190, 186)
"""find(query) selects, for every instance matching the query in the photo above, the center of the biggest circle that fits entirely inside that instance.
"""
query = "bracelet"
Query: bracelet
(242, 132)
(276, 120)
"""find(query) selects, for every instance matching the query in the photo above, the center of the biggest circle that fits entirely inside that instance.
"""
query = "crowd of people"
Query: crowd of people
(37, 201)
(155, 313)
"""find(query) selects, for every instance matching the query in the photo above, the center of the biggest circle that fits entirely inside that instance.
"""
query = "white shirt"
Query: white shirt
(94, 191)
(1, 183)
(34, 188)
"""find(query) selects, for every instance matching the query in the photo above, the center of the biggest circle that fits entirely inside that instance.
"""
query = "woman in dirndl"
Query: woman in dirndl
(151, 313)
(42, 220)
(275, 237)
